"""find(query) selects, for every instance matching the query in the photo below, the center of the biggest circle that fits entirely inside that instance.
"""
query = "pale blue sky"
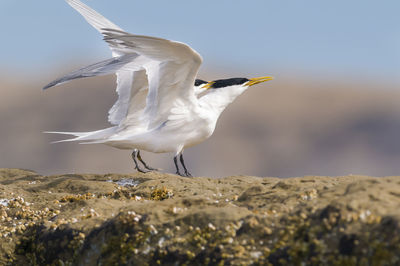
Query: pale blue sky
(351, 38)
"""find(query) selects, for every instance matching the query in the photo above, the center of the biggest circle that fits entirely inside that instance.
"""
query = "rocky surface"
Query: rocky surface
(157, 218)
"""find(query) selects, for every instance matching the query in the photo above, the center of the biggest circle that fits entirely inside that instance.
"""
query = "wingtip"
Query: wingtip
(47, 87)
(72, 1)
(51, 84)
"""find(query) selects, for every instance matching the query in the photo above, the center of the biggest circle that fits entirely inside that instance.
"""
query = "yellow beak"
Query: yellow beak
(208, 85)
(255, 81)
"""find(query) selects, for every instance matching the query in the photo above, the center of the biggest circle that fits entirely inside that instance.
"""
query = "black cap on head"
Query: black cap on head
(220, 83)
(199, 82)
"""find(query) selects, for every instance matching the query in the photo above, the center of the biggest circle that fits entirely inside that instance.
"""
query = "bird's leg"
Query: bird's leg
(134, 155)
(184, 167)
(144, 164)
(176, 165)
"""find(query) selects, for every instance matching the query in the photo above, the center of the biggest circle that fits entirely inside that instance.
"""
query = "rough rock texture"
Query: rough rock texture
(158, 218)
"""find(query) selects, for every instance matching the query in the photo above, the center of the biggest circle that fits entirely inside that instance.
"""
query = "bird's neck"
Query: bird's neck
(218, 99)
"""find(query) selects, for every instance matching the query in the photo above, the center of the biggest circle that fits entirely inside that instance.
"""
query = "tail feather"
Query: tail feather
(89, 137)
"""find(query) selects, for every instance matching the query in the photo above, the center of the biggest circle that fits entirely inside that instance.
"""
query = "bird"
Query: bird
(162, 106)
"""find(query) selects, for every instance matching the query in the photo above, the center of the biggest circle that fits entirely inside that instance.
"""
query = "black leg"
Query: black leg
(134, 155)
(144, 164)
(184, 167)
(176, 165)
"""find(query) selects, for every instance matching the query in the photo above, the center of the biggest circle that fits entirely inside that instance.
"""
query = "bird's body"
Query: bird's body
(161, 107)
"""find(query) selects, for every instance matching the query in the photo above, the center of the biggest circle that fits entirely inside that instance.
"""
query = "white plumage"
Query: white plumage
(159, 107)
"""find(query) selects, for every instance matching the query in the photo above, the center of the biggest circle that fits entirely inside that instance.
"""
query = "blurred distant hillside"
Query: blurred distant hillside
(287, 127)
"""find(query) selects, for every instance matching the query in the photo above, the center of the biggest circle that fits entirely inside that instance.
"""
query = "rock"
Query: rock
(163, 219)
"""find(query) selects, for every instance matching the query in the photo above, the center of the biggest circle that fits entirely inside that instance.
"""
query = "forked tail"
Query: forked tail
(88, 137)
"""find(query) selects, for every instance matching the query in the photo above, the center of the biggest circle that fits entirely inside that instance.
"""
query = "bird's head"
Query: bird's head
(219, 93)
(232, 86)
(235, 82)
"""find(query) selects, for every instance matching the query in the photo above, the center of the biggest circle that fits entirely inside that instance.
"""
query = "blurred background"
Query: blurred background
(333, 108)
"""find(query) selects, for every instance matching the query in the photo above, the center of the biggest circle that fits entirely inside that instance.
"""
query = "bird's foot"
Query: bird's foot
(141, 170)
(151, 168)
(179, 173)
(188, 174)
(137, 154)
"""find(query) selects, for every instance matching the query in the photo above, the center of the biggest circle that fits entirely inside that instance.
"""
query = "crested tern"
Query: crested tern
(161, 106)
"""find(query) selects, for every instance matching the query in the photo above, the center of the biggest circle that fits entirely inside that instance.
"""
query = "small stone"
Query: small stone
(153, 230)
(267, 231)
(252, 222)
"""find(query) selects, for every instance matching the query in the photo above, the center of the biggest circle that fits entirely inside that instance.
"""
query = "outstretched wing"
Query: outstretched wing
(106, 67)
(171, 68)
(127, 77)
(95, 19)
(171, 80)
